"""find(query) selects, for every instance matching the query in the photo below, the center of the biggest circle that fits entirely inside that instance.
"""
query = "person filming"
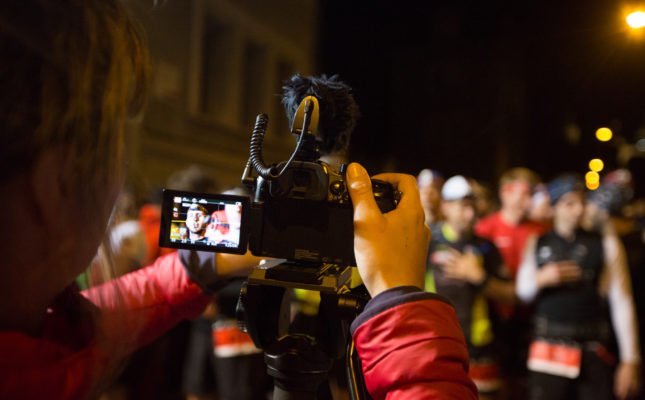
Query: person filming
(74, 71)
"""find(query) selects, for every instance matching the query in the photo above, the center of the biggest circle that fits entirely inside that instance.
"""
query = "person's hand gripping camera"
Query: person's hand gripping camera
(390, 248)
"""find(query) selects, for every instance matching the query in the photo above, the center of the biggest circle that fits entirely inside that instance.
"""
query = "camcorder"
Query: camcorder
(300, 210)
(300, 217)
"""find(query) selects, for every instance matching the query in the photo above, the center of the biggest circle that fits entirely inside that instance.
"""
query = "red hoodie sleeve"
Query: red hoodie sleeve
(140, 306)
(411, 347)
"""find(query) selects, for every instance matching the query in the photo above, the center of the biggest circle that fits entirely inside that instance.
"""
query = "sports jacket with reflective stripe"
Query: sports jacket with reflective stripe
(411, 347)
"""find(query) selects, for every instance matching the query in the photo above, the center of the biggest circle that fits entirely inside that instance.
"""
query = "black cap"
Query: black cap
(563, 185)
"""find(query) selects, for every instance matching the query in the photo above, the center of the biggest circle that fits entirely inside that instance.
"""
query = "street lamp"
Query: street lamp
(596, 165)
(636, 19)
(604, 134)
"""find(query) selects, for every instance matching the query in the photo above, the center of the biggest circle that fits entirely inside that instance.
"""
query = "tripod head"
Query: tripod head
(299, 362)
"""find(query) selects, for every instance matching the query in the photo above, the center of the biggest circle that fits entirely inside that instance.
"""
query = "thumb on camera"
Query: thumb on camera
(360, 190)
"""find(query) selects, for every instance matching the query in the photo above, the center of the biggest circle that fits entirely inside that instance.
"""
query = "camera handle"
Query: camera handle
(300, 363)
(305, 124)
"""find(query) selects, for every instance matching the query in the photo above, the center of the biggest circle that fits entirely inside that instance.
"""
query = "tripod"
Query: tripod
(300, 362)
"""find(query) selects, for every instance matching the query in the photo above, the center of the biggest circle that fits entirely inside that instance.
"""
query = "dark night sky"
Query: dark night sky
(478, 87)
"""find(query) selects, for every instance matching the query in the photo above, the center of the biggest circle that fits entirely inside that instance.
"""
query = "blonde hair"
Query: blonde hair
(75, 70)
(519, 174)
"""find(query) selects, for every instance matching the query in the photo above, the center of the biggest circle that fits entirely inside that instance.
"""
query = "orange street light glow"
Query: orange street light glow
(593, 186)
(604, 134)
(636, 19)
(596, 165)
(592, 177)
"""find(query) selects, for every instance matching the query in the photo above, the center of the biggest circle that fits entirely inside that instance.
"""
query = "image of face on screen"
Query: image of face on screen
(196, 222)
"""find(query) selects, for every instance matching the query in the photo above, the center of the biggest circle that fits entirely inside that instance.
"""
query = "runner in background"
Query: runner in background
(509, 228)
(581, 288)
(466, 269)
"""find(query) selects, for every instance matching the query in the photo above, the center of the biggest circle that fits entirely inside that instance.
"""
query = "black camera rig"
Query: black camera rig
(302, 212)
(300, 217)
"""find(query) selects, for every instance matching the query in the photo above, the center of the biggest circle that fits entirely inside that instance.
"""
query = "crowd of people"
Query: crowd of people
(544, 282)
(532, 301)
(546, 287)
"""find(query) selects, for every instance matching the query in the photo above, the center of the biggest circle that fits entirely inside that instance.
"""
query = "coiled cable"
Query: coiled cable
(257, 137)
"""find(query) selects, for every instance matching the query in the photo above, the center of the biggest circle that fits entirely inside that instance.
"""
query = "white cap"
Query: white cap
(456, 188)
(428, 177)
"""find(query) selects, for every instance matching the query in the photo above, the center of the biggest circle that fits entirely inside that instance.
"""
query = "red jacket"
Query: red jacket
(509, 239)
(73, 353)
(409, 341)
(411, 347)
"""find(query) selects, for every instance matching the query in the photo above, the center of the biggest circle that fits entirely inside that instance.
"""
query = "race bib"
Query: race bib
(555, 359)
(229, 341)
(485, 373)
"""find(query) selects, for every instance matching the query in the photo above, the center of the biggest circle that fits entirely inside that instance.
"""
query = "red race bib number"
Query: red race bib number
(229, 341)
(555, 359)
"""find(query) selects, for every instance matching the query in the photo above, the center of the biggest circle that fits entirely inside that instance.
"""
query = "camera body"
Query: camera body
(306, 215)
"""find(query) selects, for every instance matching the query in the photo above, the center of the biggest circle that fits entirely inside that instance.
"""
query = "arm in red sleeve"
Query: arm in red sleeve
(411, 347)
(138, 307)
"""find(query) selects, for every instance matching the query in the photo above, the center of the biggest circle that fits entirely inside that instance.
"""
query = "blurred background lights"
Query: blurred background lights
(604, 134)
(596, 165)
(592, 177)
(636, 19)
(592, 186)
(640, 145)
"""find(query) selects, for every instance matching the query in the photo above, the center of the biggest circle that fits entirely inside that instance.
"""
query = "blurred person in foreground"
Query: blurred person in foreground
(580, 284)
(508, 229)
(74, 72)
(466, 269)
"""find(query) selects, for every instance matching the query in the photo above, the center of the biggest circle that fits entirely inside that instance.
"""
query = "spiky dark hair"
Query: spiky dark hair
(338, 109)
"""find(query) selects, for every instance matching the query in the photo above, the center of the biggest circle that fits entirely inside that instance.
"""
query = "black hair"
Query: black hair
(198, 207)
(338, 109)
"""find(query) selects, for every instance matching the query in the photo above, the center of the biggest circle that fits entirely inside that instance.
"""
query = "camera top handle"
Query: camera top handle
(305, 125)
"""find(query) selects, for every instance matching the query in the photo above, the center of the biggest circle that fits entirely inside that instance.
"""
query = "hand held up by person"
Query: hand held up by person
(558, 273)
(466, 266)
(390, 248)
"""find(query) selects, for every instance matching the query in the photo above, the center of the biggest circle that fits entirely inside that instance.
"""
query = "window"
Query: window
(284, 71)
(254, 82)
(217, 47)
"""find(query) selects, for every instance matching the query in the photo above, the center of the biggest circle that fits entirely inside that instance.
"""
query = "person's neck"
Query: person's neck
(565, 231)
(509, 217)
